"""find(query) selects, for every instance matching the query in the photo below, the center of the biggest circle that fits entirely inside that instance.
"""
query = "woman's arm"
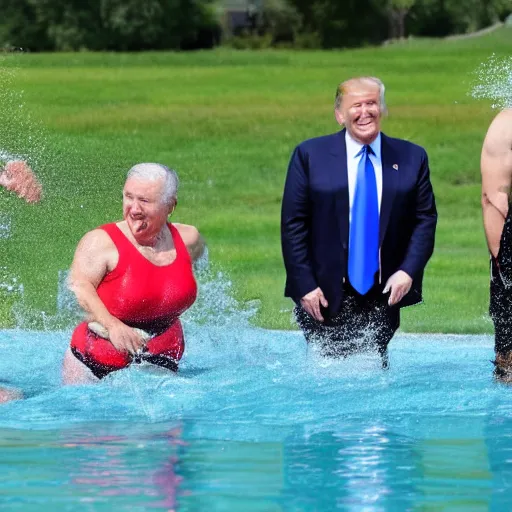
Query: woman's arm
(95, 256)
(193, 240)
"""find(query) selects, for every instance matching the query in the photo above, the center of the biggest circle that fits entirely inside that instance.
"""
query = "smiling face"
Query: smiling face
(144, 209)
(360, 110)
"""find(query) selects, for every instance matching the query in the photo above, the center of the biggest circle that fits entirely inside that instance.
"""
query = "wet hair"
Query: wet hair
(342, 89)
(153, 172)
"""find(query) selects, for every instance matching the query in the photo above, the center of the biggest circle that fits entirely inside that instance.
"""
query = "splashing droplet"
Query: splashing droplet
(494, 82)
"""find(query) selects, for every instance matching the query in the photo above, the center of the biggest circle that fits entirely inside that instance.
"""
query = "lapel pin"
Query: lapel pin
(395, 166)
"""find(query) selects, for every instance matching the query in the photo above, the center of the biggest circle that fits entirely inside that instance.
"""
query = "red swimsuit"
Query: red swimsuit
(142, 295)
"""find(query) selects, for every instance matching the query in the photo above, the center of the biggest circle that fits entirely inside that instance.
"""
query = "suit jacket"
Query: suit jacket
(315, 217)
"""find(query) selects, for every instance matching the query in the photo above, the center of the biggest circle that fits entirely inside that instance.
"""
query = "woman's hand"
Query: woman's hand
(124, 338)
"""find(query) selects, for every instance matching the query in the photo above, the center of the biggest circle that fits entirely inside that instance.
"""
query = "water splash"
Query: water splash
(5, 226)
(215, 306)
(21, 138)
(5, 156)
(9, 283)
(494, 82)
(11, 292)
(21, 135)
(27, 317)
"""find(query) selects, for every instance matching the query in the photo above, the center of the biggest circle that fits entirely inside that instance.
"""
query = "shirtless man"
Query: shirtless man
(496, 167)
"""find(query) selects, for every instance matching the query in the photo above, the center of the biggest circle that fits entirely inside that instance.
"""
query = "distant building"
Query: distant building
(240, 15)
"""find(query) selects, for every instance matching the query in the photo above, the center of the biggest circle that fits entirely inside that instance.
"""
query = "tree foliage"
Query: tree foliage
(359, 22)
(108, 24)
(397, 11)
(281, 20)
(445, 17)
(132, 25)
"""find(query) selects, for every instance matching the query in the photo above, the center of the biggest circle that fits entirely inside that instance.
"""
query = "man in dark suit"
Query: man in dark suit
(357, 228)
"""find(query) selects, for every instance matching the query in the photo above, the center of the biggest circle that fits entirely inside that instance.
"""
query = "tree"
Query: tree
(70, 24)
(444, 17)
(133, 25)
(118, 25)
(397, 12)
(344, 24)
(20, 28)
(281, 20)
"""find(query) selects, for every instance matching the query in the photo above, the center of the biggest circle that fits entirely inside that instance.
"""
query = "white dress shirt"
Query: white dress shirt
(353, 148)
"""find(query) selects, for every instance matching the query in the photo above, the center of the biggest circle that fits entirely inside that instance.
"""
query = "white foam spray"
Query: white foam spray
(494, 81)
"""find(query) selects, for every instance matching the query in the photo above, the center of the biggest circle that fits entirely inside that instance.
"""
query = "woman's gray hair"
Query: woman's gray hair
(341, 90)
(153, 172)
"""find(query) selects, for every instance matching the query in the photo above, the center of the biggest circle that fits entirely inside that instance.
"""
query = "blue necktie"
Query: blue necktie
(363, 249)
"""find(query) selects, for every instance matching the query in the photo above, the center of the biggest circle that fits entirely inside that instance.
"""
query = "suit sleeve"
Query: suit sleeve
(421, 243)
(295, 228)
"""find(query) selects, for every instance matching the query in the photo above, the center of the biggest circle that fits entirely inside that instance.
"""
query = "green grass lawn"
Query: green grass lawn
(227, 122)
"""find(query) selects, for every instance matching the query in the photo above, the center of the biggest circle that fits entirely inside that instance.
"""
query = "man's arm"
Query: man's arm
(421, 243)
(295, 220)
(496, 169)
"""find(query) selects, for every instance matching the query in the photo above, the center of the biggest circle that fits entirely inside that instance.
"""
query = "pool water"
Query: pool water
(254, 421)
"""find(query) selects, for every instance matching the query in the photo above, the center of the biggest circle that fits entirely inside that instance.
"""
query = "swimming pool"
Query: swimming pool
(255, 421)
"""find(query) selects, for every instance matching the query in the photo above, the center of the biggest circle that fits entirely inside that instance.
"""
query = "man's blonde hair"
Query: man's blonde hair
(344, 87)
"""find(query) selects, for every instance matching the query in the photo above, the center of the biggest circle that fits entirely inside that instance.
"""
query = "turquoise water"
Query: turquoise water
(256, 422)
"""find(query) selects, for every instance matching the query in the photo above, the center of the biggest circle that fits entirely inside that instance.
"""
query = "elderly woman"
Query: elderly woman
(134, 278)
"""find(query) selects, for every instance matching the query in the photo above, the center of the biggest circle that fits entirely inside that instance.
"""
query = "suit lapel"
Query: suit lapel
(390, 175)
(339, 179)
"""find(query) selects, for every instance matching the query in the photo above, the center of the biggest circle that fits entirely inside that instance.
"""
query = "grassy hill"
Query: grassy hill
(227, 122)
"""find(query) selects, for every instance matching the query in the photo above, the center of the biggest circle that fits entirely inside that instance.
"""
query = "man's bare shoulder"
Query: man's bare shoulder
(502, 121)
(496, 157)
(504, 116)
(499, 134)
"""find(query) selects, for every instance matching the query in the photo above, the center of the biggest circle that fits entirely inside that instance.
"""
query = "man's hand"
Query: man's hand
(311, 303)
(124, 338)
(399, 284)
